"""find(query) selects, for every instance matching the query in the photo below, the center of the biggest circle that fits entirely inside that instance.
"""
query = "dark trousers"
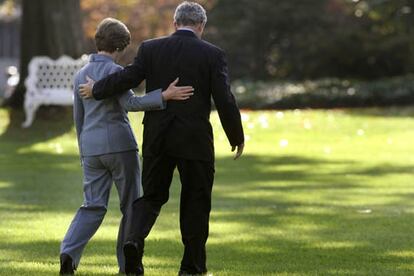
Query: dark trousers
(195, 205)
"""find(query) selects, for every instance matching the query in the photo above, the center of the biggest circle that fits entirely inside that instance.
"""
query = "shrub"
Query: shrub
(325, 93)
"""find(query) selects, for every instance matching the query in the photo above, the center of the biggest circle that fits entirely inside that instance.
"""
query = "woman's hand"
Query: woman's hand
(177, 93)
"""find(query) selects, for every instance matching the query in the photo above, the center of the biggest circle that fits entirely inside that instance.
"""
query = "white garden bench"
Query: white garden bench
(50, 82)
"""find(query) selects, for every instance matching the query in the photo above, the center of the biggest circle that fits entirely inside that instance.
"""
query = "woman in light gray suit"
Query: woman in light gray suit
(107, 145)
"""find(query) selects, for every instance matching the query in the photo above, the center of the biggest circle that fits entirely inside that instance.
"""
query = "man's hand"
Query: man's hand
(178, 93)
(239, 150)
(85, 90)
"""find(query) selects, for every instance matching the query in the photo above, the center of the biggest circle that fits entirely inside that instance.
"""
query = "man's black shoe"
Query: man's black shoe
(66, 265)
(133, 259)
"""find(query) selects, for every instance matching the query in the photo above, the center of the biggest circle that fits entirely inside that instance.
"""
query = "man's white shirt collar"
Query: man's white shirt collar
(185, 29)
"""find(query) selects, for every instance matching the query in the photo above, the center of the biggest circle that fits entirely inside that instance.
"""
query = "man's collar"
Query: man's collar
(181, 32)
(186, 29)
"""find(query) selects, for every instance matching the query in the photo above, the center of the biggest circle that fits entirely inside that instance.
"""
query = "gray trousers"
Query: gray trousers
(99, 174)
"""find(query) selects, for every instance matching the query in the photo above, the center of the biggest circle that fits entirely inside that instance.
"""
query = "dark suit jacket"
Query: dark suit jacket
(183, 129)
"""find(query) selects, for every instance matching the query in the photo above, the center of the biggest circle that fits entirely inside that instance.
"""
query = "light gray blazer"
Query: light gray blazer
(103, 127)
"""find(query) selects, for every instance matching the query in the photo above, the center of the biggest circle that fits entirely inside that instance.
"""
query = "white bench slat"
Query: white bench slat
(50, 82)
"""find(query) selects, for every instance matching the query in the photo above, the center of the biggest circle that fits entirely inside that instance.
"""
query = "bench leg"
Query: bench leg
(30, 108)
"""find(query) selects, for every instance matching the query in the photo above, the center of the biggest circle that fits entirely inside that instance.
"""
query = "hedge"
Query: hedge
(325, 93)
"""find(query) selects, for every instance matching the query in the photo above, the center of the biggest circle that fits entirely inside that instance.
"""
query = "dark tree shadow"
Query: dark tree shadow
(50, 122)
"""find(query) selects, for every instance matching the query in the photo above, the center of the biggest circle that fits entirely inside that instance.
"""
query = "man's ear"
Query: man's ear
(175, 25)
(200, 27)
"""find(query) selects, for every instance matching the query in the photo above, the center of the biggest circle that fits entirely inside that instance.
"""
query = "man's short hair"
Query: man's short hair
(190, 14)
(112, 35)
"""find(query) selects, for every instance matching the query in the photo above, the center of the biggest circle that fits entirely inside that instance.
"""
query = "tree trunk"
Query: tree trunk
(49, 28)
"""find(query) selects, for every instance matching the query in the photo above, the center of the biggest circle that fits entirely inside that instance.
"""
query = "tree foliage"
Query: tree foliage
(145, 19)
(301, 39)
(266, 39)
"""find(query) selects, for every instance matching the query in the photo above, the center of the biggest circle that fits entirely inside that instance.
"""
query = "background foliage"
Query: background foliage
(303, 39)
(325, 93)
(325, 41)
(296, 39)
(144, 18)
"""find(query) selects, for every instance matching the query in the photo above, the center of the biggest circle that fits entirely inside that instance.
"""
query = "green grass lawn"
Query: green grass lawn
(316, 193)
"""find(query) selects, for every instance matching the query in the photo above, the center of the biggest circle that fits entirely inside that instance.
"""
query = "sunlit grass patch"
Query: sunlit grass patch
(316, 193)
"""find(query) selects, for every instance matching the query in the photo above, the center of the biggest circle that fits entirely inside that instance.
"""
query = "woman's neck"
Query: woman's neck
(111, 55)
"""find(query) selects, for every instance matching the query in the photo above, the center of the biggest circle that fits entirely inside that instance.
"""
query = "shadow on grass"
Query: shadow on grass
(329, 249)
(41, 180)
(256, 195)
(49, 123)
(33, 181)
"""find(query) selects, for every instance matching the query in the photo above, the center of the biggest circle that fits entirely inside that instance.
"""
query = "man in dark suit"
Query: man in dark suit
(179, 136)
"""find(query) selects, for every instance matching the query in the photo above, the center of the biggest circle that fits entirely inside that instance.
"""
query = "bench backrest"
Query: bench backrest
(55, 75)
